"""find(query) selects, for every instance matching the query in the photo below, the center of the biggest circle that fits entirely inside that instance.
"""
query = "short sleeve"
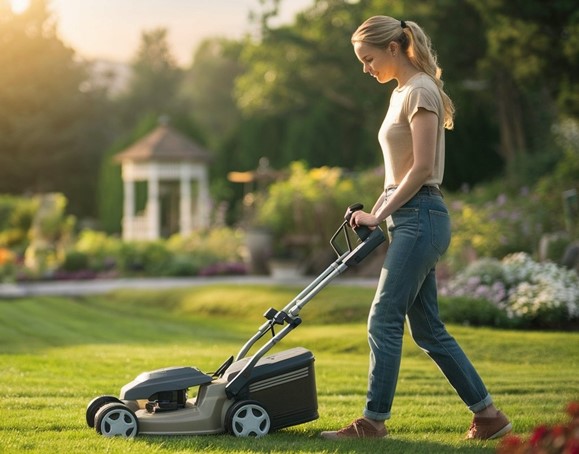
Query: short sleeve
(421, 97)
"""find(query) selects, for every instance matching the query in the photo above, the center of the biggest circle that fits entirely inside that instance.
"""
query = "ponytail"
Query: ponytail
(423, 57)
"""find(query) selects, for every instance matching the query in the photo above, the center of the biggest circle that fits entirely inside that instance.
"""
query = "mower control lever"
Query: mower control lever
(281, 317)
(277, 317)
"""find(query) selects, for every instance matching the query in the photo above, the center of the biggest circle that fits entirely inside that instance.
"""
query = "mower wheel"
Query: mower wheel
(247, 418)
(95, 405)
(116, 419)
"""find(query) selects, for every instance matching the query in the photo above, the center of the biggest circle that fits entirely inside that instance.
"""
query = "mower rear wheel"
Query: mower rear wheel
(95, 405)
(247, 418)
(116, 419)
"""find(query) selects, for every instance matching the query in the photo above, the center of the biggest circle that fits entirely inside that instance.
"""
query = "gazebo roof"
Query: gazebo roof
(164, 144)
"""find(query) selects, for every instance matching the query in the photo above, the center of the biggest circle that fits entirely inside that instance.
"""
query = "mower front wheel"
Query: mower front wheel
(116, 419)
(95, 405)
(247, 418)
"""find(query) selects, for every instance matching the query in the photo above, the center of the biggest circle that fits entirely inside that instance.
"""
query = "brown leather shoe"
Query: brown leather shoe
(488, 428)
(360, 428)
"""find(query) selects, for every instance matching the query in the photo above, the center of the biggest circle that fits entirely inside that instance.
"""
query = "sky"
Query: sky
(111, 29)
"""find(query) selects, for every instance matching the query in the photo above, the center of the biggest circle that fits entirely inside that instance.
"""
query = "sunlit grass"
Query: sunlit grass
(57, 354)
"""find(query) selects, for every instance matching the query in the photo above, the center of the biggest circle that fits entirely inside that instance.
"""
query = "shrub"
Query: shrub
(75, 261)
(305, 210)
(212, 245)
(563, 178)
(302, 204)
(150, 258)
(16, 214)
(7, 265)
(101, 249)
(495, 228)
(182, 265)
(472, 311)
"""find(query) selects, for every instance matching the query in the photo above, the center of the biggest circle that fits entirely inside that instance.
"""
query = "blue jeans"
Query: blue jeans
(419, 234)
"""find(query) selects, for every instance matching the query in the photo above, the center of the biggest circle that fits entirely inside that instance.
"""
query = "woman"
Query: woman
(412, 141)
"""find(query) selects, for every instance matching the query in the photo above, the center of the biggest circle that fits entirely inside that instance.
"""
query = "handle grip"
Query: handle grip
(362, 231)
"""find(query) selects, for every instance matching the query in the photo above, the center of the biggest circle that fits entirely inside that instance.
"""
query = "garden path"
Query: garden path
(99, 286)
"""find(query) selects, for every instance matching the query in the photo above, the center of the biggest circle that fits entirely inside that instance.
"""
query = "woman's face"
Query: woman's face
(378, 62)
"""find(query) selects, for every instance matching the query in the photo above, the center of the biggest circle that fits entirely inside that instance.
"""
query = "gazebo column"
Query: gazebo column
(128, 209)
(153, 205)
(203, 199)
(185, 218)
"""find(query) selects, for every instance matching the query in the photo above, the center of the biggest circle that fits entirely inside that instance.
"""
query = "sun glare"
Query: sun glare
(19, 6)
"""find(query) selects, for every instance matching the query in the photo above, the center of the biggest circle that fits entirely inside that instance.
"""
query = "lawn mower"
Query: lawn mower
(246, 395)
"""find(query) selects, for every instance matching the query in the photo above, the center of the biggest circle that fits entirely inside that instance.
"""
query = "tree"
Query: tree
(207, 88)
(47, 111)
(305, 80)
(531, 60)
(155, 82)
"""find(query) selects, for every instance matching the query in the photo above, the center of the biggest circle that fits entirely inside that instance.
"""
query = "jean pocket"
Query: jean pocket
(405, 219)
(440, 228)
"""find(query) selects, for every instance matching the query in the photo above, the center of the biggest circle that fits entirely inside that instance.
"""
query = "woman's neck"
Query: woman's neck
(405, 73)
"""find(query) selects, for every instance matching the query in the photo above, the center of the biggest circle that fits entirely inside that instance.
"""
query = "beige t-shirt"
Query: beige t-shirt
(395, 137)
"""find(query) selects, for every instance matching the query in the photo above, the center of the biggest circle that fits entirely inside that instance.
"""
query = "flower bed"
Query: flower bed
(531, 294)
(97, 255)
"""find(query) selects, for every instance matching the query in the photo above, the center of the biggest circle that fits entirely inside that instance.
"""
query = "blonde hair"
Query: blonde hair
(379, 31)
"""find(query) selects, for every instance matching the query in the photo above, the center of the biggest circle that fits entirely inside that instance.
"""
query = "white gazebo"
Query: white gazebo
(177, 185)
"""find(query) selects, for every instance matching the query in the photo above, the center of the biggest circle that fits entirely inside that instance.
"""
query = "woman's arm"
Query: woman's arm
(424, 128)
(378, 205)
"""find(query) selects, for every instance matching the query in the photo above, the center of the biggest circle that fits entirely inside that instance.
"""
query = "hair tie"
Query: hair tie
(403, 24)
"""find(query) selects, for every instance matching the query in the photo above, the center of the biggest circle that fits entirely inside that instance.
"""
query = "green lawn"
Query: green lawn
(56, 354)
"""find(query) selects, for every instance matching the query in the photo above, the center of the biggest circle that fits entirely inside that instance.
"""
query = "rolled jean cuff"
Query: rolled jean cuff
(486, 402)
(376, 416)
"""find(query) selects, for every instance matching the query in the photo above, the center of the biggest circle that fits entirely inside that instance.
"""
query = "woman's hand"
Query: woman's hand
(362, 218)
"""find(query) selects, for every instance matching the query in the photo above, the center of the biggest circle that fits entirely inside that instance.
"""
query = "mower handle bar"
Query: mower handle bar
(369, 239)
